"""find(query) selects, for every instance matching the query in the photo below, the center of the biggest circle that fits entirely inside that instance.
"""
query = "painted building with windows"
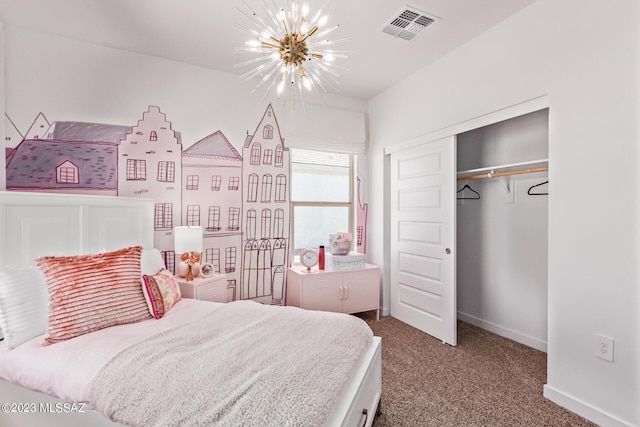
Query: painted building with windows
(242, 202)
(212, 199)
(266, 212)
(149, 162)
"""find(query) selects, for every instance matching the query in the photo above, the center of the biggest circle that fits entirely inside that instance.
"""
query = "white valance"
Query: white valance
(324, 128)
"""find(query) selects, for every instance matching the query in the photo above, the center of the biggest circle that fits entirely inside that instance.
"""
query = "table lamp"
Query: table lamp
(188, 247)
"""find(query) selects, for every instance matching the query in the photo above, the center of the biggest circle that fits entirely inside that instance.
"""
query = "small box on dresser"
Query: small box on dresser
(341, 291)
(213, 288)
(345, 262)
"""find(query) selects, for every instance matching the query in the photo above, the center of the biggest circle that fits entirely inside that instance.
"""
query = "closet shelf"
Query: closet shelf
(533, 166)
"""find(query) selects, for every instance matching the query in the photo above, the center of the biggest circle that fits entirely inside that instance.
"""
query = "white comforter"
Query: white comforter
(255, 368)
(65, 369)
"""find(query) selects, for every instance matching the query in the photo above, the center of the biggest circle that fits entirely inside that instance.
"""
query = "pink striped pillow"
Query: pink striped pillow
(91, 292)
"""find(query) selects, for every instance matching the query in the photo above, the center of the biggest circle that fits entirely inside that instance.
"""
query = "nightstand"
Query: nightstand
(213, 288)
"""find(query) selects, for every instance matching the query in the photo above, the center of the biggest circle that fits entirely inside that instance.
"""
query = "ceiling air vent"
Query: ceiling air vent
(408, 23)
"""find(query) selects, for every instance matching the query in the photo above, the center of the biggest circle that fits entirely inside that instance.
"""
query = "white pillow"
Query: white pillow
(23, 304)
(151, 262)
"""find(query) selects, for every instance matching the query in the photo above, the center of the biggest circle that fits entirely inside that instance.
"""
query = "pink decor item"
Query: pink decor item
(91, 292)
(161, 292)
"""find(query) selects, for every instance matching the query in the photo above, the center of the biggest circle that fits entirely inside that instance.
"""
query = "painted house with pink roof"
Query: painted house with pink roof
(212, 198)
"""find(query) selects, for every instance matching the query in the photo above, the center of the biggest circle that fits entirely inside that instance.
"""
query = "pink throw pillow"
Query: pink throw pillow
(161, 292)
(91, 292)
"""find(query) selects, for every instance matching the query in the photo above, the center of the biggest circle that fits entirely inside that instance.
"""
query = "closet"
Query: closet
(502, 227)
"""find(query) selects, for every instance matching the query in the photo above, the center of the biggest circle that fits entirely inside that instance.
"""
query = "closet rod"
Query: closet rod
(506, 173)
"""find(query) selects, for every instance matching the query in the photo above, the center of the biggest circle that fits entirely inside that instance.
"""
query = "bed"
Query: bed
(201, 363)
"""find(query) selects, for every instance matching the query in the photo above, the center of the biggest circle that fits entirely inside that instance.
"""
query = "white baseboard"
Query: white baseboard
(583, 409)
(504, 332)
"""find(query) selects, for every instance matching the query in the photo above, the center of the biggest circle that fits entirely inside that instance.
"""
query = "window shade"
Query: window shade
(325, 129)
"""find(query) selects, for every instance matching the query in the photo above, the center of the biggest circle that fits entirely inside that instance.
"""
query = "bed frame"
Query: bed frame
(37, 224)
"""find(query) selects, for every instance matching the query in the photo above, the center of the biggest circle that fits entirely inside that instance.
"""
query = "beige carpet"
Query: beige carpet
(487, 380)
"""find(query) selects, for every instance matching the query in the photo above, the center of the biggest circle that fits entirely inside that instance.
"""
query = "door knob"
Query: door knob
(447, 251)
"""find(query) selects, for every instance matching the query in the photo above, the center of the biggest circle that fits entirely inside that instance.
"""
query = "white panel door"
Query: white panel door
(423, 287)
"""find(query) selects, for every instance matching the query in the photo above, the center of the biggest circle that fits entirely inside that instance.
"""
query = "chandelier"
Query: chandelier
(292, 48)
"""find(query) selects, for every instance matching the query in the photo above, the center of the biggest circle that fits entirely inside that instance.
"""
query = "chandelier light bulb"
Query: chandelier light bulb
(306, 82)
(291, 49)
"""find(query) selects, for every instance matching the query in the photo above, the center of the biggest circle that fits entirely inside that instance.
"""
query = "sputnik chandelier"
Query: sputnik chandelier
(292, 49)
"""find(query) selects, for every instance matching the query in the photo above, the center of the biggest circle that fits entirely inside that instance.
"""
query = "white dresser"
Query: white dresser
(341, 291)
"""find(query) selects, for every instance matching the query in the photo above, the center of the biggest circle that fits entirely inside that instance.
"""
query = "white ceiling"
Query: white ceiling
(201, 32)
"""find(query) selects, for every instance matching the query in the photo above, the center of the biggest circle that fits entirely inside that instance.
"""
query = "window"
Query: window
(216, 180)
(252, 195)
(322, 192)
(153, 136)
(169, 258)
(213, 222)
(267, 132)
(163, 218)
(255, 154)
(251, 224)
(230, 255)
(234, 219)
(67, 173)
(166, 171)
(212, 256)
(267, 157)
(265, 225)
(266, 188)
(192, 182)
(281, 188)
(278, 224)
(279, 156)
(234, 183)
(136, 170)
(193, 215)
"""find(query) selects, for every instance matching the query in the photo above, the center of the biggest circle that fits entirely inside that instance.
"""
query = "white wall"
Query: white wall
(72, 80)
(584, 55)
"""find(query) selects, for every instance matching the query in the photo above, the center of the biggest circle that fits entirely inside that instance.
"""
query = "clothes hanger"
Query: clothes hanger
(466, 186)
(537, 185)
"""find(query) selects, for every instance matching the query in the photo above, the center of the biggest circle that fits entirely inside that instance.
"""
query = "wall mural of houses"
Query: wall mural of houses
(241, 201)
(361, 222)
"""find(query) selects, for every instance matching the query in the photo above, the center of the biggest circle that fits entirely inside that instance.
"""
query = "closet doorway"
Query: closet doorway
(502, 228)
(488, 302)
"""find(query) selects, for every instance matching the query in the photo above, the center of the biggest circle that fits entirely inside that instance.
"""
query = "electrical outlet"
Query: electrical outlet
(603, 347)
